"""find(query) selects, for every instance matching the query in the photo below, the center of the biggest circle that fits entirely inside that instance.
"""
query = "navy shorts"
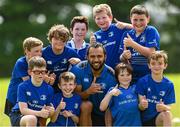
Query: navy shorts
(151, 122)
(8, 107)
(15, 118)
(97, 120)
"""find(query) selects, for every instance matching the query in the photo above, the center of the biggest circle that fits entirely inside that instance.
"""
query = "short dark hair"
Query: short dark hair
(122, 66)
(140, 10)
(79, 19)
(96, 45)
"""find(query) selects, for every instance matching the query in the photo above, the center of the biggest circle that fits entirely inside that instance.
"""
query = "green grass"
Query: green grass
(4, 120)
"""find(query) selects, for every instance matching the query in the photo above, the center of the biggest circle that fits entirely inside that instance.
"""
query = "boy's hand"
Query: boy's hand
(44, 113)
(128, 41)
(61, 105)
(52, 78)
(119, 24)
(51, 109)
(144, 102)
(160, 106)
(126, 53)
(74, 60)
(49, 78)
(66, 113)
(115, 91)
(92, 38)
(94, 88)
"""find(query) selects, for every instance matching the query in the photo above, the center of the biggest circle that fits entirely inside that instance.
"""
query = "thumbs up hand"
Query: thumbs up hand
(92, 38)
(160, 106)
(119, 24)
(51, 109)
(61, 105)
(44, 113)
(115, 91)
(128, 41)
(94, 88)
(143, 102)
(126, 53)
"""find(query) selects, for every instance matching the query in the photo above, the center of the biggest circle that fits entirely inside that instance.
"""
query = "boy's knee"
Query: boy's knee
(32, 119)
(86, 106)
(165, 114)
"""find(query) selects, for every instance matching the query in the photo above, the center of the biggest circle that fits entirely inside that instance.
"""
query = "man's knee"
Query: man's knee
(86, 106)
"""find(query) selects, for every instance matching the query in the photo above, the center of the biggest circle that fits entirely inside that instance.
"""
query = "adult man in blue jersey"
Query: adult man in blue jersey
(94, 78)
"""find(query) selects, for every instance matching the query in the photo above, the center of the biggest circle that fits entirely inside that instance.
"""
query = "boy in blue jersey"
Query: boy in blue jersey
(110, 34)
(33, 97)
(156, 92)
(67, 103)
(94, 79)
(79, 29)
(32, 47)
(57, 55)
(122, 99)
(140, 42)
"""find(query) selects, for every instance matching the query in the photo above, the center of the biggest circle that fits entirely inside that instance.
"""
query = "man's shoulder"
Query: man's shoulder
(82, 64)
(110, 69)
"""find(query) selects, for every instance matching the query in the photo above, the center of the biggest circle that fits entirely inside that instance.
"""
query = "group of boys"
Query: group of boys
(31, 99)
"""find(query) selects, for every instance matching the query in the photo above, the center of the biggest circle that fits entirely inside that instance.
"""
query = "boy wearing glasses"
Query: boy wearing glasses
(33, 97)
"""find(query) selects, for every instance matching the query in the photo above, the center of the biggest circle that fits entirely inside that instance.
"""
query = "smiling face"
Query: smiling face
(36, 51)
(67, 87)
(79, 31)
(57, 45)
(139, 22)
(124, 77)
(37, 74)
(96, 58)
(157, 66)
(102, 20)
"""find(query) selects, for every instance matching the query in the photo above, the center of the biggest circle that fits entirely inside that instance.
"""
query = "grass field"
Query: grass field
(4, 120)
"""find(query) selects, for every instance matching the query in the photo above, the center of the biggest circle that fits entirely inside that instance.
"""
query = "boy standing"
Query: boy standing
(109, 35)
(33, 97)
(122, 99)
(57, 55)
(156, 92)
(32, 47)
(67, 103)
(79, 28)
(141, 41)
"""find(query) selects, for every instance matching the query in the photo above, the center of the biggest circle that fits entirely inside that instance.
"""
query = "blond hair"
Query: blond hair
(31, 42)
(158, 54)
(102, 8)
